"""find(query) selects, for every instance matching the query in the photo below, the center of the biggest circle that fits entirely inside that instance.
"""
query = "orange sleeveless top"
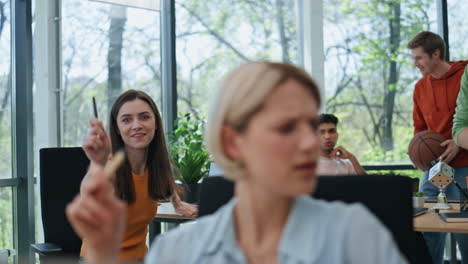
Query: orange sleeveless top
(139, 215)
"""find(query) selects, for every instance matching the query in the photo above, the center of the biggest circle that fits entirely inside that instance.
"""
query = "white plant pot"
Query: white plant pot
(418, 202)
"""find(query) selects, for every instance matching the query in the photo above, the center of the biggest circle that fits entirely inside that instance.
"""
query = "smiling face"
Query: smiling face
(424, 62)
(280, 145)
(136, 124)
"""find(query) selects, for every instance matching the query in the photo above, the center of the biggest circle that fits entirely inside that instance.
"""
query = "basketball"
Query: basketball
(425, 148)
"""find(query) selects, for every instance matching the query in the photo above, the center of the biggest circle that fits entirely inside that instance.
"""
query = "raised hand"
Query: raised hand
(97, 144)
(342, 153)
(98, 217)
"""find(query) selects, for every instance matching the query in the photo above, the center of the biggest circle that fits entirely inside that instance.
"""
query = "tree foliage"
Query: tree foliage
(215, 36)
(370, 74)
(114, 49)
(6, 209)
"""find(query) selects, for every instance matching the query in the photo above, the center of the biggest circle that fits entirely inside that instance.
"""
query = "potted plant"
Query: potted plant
(418, 200)
(190, 157)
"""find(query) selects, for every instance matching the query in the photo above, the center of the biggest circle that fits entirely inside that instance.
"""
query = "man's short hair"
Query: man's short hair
(328, 118)
(430, 42)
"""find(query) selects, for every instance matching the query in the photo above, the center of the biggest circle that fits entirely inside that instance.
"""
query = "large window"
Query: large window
(105, 52)
(369, 73)
(5, 90)
(6, 212)
(215, 36)
(458, 29)
(6, 219)
(106, 49)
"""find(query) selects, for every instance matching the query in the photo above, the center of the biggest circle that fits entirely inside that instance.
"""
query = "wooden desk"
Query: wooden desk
(165, 214)
(166, 211)
(431, 222)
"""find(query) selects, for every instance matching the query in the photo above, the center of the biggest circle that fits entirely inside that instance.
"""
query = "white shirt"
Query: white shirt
(334, 166)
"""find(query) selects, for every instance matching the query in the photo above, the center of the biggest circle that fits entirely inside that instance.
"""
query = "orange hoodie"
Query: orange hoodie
(434, 105)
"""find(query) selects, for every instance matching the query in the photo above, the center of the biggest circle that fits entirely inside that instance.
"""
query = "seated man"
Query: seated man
(334, 161)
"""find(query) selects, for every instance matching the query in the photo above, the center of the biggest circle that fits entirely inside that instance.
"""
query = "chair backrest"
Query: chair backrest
(61, 172)
(387, 197)
(215, 192)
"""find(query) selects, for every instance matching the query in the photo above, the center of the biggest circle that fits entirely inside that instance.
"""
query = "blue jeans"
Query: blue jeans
(436, 241)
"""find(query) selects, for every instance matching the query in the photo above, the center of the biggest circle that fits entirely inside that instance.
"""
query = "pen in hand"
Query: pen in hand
(95, 108)
(95, 112)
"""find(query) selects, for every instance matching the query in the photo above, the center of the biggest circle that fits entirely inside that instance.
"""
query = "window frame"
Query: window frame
(22, 130)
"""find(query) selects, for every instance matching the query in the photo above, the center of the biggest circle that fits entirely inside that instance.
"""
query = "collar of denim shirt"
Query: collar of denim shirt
(295, 244)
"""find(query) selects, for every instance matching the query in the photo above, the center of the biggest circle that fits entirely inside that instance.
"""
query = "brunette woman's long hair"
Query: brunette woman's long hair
(161, 184)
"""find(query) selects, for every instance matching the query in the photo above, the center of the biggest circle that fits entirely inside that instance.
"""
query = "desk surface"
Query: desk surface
(166, 210)
(431, 222)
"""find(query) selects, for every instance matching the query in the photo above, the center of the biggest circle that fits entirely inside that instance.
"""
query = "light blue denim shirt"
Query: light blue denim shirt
(316, 232)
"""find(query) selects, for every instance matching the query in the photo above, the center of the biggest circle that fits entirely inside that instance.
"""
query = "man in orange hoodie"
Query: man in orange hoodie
(434, 97)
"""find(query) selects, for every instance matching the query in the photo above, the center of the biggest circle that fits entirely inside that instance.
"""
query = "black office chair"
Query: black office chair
(215, 192)
(61, 172)
(388, 197)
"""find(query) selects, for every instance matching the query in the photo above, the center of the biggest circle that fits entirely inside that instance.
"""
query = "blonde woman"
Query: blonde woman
(262, 131)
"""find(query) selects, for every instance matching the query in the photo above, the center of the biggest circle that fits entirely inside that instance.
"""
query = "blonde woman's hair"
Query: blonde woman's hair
(241, 96)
